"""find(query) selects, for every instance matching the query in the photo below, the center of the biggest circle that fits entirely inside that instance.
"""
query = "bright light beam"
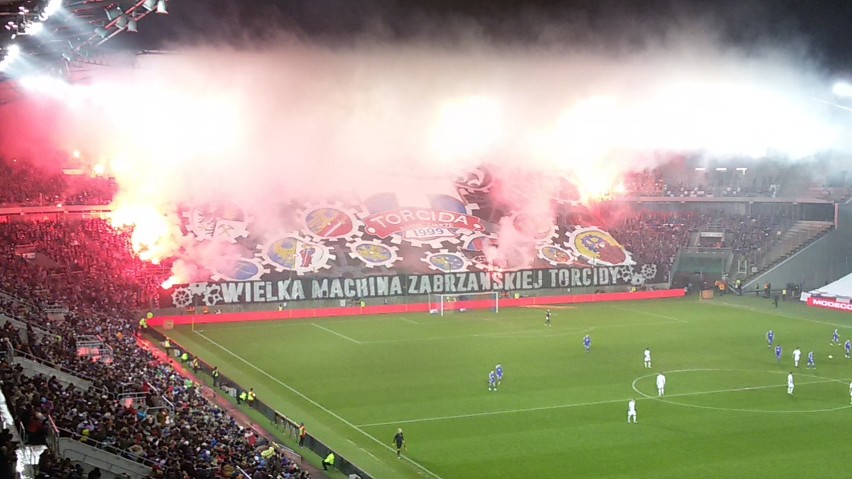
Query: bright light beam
(842, 89)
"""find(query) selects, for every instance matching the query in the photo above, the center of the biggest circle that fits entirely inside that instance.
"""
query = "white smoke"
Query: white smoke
(299, 120)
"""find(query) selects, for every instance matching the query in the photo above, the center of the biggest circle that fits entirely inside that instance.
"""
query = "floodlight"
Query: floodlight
(150, 5)
(131, 26)
(66, 57)
(121, 23)
(34, 28)
(842, 89)
(721, 169)
(700, 169)
(101, 31)
(13, 50)
(161, 7)
(113, 13)
(52, 7)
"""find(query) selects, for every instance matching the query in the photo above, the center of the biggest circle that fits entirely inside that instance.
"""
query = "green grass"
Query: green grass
(560, 412)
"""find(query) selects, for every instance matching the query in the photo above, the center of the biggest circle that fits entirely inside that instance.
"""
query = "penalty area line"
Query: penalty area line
(337, 334)
(317, 405)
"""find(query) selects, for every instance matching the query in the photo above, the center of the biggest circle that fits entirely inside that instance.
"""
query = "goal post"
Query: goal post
(458, 302)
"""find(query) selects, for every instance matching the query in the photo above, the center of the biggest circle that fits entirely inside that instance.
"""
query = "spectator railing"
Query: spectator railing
(275, 418)
(52, 435)
(17, 299)
(116, 451)
(166, 404)
(59, 367)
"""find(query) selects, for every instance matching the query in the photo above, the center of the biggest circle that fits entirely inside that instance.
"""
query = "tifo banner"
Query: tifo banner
(380, 286)
(830, 303)
(381, 238)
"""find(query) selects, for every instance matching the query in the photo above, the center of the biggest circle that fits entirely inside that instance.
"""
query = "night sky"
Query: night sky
(819, 29)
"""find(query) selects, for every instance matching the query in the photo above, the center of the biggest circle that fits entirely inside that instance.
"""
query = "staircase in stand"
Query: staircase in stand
(800, 235)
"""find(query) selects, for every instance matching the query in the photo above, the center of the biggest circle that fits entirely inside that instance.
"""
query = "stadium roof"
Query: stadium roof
(58, 36)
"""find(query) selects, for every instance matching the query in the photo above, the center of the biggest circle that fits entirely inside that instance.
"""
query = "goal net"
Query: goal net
(459, 302)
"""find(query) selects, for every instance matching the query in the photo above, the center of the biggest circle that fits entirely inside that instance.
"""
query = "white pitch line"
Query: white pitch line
(408, 320)
(362, 449)
(492, 413)
(566, 406)
(338, 334)
(318, 405)
(647, 313)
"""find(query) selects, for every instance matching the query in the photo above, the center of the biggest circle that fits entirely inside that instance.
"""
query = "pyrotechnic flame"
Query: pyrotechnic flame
(169, 282)
(595, 184)
(153, 232)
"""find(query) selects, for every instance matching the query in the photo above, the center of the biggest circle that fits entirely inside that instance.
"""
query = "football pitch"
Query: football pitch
(559, 411)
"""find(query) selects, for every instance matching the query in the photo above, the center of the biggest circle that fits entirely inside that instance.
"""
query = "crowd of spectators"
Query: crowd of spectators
(175, 430)
(25, 183)
(731, 183)
(87, 264)
(656, 237)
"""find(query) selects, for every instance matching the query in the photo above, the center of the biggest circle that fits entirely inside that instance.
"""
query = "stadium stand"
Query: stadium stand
(25, 183)
(69, 282)
(174, 431)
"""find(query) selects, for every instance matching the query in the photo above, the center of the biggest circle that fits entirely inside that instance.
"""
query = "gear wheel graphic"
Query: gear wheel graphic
(555, 255)
(474, 246)
(291, 252)
(649, 271)
(222, 222)
(540, 229)
(446, 262)
(181, 297)
(197, 288)
(213, 295)
(241, 269)
(330, 222)
(598, 247)
(627, 273)
(477, 180)
(374, 253)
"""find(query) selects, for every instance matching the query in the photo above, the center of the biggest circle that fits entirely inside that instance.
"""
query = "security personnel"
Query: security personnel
(303, 432)
(184, 357)
(143, 324)
(215, 374)
(242, 397)
(268, 453)
(328, 461)
(195, 365)
(251, 397)
(784, 294)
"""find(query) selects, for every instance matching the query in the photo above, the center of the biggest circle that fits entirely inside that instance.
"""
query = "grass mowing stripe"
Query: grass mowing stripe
(631, 310)
(337, 334)
(748, 308)
(316, 404)
(594, 403)
(421, 377)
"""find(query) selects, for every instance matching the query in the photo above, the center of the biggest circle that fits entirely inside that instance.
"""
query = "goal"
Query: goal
(459, 302)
